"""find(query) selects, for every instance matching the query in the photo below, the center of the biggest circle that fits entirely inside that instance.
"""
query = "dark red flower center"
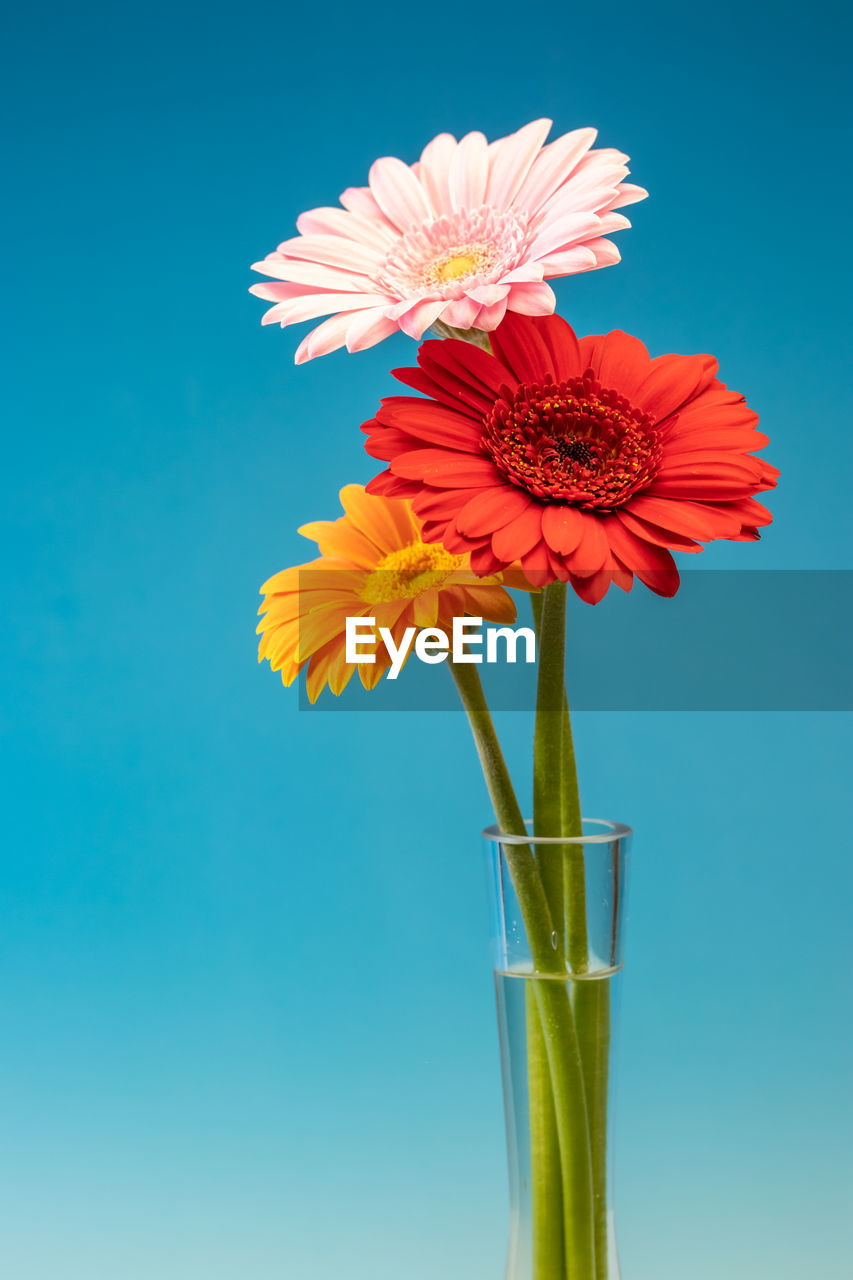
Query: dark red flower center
(574, 441)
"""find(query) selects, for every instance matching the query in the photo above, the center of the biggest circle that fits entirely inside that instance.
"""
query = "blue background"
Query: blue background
(246, 1010)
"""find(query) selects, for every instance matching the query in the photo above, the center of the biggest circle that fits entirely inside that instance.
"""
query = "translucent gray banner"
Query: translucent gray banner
(728, 641)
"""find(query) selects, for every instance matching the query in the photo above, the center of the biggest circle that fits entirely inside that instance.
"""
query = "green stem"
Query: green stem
(552, 1000)
(548, 773)
(548, 733)
(556, 812)
(591, 1006)
(572, 823)
(545, 1161)
(546, 1175)
(572, 1123)
(573, 906)
(568, 1042)
(591, 998)
(521, 862)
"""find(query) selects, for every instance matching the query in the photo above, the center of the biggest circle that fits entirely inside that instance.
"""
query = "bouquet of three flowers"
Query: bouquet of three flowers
(523, 457)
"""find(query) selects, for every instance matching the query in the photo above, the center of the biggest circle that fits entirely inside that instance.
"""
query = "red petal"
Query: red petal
(453, 378)
(445, 469)
(478, 365)
(726, 466)
(519, 345)
(717, 405)
(739, 439)
(698, 488)
(426, 420)
(687, 518)
(390, 486)
(594, 588)
(421, 381)
(521, 535)
(592, 349)
(562, 527)
(483, 561)
(622, 363)
(491, 509)
(441, 531)
(559, 567)
(592, 551)
(560, 339)
(748, 510)
(436, 504)
(623, 578)
(653, 533)
(537, 566)
(386, 442)
(672, 381)
(653, 565)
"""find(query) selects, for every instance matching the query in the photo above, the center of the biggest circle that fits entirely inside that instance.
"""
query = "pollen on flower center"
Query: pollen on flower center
(574, 442)
(409, 572)
(444, 256)
(461, 264)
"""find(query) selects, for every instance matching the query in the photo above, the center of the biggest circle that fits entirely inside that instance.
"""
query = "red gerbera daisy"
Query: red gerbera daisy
(583, 459)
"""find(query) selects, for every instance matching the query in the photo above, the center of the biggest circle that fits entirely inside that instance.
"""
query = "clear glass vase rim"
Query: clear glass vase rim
(614, 831)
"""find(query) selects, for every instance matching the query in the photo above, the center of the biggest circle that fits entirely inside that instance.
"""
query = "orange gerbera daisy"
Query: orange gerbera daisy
(372, 563)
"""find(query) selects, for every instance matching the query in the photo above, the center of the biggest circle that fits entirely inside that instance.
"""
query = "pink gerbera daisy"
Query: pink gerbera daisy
(469, 232)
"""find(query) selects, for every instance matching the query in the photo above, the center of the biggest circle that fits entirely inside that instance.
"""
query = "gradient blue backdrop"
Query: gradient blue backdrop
(245, 1005)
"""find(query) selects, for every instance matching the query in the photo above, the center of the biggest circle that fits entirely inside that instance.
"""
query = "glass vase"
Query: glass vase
(558, 908)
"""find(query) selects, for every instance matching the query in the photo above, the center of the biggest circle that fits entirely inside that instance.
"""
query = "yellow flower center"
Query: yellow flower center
(460, 264)
(409, 572)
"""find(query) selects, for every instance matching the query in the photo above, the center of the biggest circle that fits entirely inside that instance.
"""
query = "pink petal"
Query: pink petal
(487, 294)
(418, 318)
(524, 274)
(629, 194)
(333, 251)
(398, 193)
(282, 290)
(552, 167)
(327, 337)
(532, 299)
(367, 328)
(604, 159)
(561, 233)
(581, 258)
(609, 222)
(590, 191)
(469, 172)
(433, 171)
(510, 163)
(312, 305)
(462, 313)
(368, 231)
(272, 316)
(606, 253)
(360, 200)
(311, 273)
(491, 316)
(399, 309)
